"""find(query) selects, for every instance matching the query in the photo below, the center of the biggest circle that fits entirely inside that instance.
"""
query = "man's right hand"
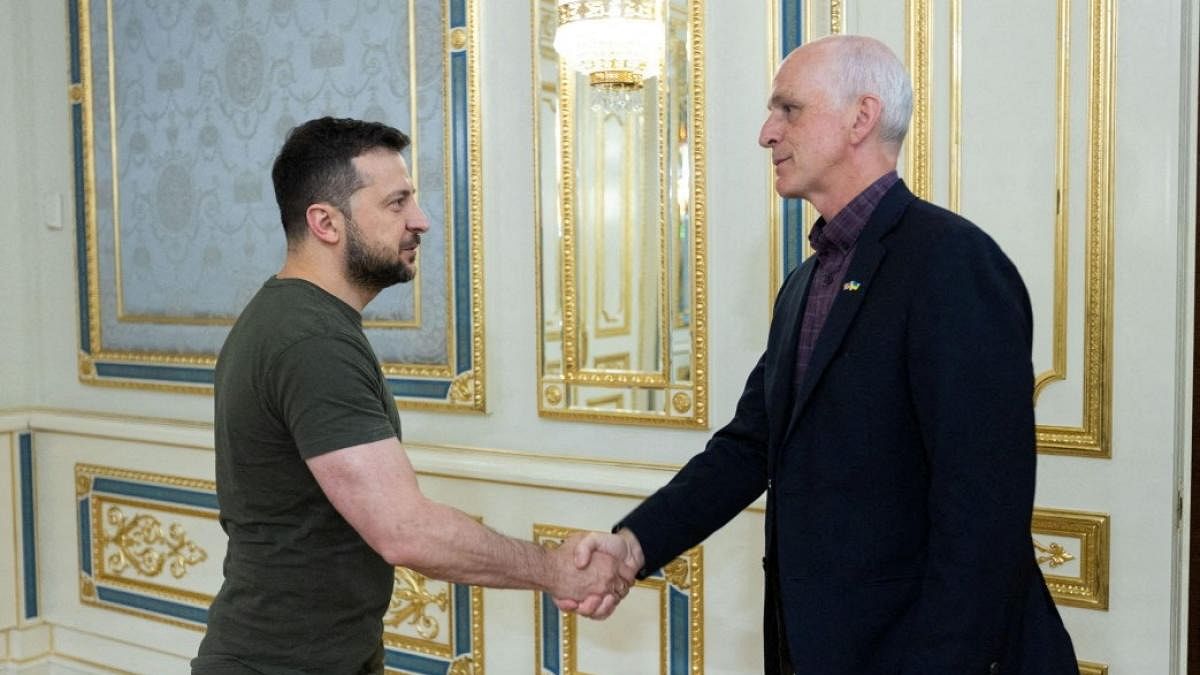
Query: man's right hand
(594, 587)
(593, 546)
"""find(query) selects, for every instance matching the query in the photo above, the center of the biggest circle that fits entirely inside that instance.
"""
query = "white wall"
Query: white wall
(16, 284)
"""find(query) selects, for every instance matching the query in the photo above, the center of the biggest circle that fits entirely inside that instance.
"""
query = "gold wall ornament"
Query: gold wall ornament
(462, 388)
(1086, 538)
(125, 546)
(681, 402)
(621, 238)
(1089, 668)
(141, 544)
(464, 665)
(1052, 553)
(679, 573)
(411, 601)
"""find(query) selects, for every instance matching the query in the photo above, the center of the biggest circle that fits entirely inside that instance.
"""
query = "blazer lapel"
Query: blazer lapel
(869, 253)
(780, 386)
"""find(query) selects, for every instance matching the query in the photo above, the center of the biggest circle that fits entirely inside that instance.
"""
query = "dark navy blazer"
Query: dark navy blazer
(900, 474)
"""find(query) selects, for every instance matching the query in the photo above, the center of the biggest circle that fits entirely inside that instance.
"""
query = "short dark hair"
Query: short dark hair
(315, 165)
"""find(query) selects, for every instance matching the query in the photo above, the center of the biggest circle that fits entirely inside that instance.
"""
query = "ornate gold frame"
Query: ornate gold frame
(1089, 590)
(163, 603)
(687, 402)
(456, 385)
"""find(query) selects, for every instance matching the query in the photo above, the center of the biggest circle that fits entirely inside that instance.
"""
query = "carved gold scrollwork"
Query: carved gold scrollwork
(463, 665)
(83, 485)
(462, 389)
(681, 402)
(411, 600)
(142, 545)
(1054, 554)
(678, 573)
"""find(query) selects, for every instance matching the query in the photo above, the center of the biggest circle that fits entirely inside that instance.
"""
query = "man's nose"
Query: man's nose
(416, 221)
(767, 136)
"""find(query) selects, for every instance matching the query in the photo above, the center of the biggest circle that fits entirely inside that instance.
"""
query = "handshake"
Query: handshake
(593, 571)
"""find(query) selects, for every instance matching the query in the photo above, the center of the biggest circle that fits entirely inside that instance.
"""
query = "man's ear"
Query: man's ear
(866, 118)
(324, 222)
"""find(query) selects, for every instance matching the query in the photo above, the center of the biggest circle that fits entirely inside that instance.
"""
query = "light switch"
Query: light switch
(52, 210)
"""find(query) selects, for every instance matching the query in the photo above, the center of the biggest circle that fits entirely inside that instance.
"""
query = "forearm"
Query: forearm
(445, 543)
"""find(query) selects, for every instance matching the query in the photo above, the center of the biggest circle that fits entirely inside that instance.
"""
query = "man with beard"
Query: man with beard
(317, 495)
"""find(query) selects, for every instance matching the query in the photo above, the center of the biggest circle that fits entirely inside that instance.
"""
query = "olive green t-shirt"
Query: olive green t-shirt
(303, 592)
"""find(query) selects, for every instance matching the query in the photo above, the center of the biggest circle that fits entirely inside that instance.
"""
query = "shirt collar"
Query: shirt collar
(841, 232)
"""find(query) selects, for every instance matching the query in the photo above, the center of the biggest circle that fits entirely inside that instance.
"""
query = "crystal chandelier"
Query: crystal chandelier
(616, 43)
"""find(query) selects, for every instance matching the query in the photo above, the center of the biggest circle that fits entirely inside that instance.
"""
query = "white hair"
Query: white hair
(862, 65)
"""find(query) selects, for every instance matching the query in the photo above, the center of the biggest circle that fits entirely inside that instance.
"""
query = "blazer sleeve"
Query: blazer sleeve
(712, 488)
(970, 339)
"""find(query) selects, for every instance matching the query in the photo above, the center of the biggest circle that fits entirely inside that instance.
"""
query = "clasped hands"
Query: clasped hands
(596, 571)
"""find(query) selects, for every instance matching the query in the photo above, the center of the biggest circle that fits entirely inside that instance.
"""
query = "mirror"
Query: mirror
(620, 229)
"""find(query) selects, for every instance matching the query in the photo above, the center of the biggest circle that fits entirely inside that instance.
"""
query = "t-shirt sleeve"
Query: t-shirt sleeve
(327, 390)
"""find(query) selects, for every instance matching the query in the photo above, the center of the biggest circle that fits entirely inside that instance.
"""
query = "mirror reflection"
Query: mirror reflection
(619, 260)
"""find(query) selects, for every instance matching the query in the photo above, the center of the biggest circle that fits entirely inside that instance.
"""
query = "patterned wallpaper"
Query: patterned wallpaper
(184, 106)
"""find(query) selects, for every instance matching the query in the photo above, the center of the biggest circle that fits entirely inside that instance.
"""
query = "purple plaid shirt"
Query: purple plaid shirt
(834, 243)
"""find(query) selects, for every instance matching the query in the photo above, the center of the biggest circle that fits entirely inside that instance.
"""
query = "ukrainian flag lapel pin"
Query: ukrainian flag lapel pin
(851, 286)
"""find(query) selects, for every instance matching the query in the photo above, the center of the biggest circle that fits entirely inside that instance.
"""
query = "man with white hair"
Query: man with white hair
(890, 420)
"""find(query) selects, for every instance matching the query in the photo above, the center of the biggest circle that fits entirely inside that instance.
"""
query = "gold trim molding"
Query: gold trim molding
(1055, 532)
(1089, 668)
(919, 150)
(1093, 438)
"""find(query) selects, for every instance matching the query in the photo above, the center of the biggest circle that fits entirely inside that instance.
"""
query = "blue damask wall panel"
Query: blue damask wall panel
(179, 109)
